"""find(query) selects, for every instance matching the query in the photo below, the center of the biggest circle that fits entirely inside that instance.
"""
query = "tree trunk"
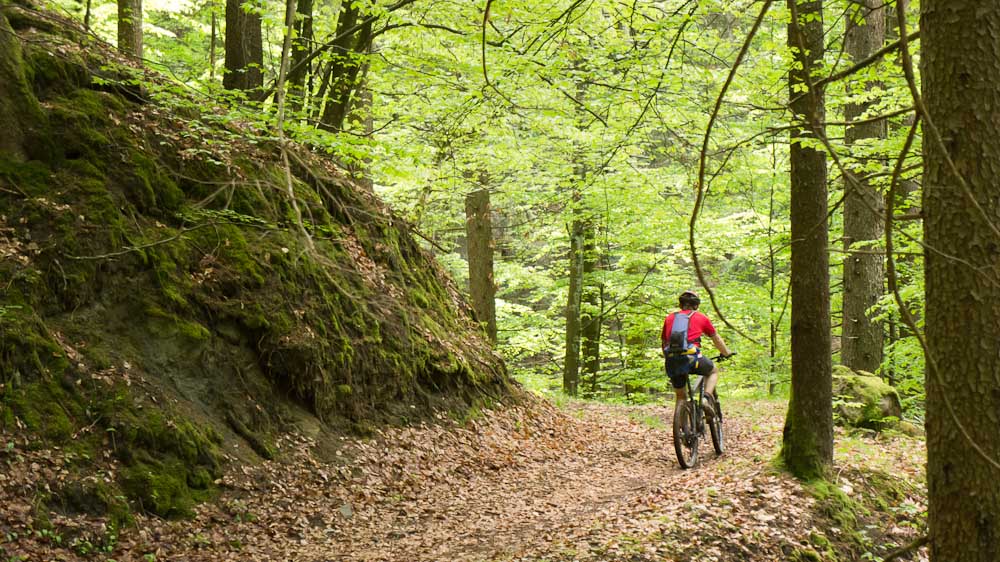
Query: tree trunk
(864, 271)
(772, 267)
(211, 47)
(571, 366)
(591, 313)
(301, 47)
(479, 231)
(807, 446)
(345, 68)
(361, 119)
(130, 28)
(244, 47)
(960, 70)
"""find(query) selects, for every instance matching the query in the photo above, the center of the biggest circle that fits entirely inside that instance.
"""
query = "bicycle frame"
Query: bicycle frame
(695, 395)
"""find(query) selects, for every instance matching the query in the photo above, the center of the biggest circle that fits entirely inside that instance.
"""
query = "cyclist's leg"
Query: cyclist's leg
(707, 368)
(710, 371)
(677, 380)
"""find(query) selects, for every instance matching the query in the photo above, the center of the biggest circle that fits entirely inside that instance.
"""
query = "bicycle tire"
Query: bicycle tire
(715, 428)
(685, 435)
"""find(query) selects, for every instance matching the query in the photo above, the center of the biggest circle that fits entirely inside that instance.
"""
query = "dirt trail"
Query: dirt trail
(592, 482)
(587, 482)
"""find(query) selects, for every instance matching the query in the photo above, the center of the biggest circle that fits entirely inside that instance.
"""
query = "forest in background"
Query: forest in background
(586, 121)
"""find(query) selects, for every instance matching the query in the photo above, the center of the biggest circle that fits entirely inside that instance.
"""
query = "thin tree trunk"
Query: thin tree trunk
(893, 338)
(864, 272)
(479, 231)
(960, 70)
(244, 47)
(773, 320)
(807, 445)
(300, 49)
(86, 16)
(211, 47)
(361, 115)
(591, 314)
(130, 28)
(571, 366)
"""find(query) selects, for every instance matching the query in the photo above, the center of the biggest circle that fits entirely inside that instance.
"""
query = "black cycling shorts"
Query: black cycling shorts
(703, 366)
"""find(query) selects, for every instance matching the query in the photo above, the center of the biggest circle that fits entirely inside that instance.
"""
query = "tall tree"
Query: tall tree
(960, 69)
(130, 27)
(807, 447)
(301, 46)
(591, 315)
(343, 73)
(864, 269)
(244, 46)
(479, 231)
(571, 364)
(579, 226)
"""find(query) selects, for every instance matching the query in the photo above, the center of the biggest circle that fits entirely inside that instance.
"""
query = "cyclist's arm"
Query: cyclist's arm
(720, 345)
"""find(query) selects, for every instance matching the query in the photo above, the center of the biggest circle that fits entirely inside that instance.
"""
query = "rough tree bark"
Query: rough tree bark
(960, 69)
(211, 47)
(301, 47)
(864, 271)
(571, 365)
(807, 446)
(244, 47)
(479, 232)
(130, 27)
(591, 314)
(343, 74)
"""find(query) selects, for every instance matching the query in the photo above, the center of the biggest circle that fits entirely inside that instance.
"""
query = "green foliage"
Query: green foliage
(568, 111)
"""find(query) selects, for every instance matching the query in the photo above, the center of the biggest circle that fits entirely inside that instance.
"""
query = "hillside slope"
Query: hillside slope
(164, 308)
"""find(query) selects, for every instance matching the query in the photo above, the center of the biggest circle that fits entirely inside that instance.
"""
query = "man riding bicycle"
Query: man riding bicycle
(684, 358)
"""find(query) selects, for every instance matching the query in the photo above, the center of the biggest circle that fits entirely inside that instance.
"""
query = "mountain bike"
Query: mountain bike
(690, 419)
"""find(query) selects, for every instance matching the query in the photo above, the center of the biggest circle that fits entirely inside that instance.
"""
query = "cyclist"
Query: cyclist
(679, 364)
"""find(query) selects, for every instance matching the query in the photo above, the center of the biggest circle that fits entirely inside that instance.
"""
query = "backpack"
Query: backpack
(678, 343)
(680, 354)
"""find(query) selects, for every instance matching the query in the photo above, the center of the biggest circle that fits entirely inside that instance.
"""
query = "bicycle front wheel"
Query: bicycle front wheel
(685, 435)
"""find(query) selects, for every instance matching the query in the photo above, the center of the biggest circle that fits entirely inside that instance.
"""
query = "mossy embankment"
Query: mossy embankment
(161, 303)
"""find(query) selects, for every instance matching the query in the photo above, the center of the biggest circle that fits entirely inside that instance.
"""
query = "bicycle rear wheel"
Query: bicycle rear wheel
(715, 426)
(685, 435)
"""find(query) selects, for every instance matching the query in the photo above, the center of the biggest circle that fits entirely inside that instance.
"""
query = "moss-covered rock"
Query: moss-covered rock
(864, 400)
(151, 244)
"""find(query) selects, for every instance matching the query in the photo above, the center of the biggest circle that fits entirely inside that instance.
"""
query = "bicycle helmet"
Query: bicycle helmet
(689, 298)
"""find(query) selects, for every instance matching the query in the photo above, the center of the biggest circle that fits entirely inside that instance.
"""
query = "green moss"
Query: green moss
(808, 555)
(150, 188)
(419, 299)
(46, 408)
(27, 351)
(168, 325)
(32, 178)
(93, 497)
(170, 464)
(841, 509)
(78, 122)
(51, 74)
(161, 488)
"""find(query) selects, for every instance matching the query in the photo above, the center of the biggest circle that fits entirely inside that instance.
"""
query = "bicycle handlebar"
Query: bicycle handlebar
(723, 357)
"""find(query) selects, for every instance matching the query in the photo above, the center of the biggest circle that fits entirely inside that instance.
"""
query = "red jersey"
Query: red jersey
(698, 324)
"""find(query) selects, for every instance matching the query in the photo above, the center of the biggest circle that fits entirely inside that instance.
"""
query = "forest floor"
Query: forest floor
(582, 481)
